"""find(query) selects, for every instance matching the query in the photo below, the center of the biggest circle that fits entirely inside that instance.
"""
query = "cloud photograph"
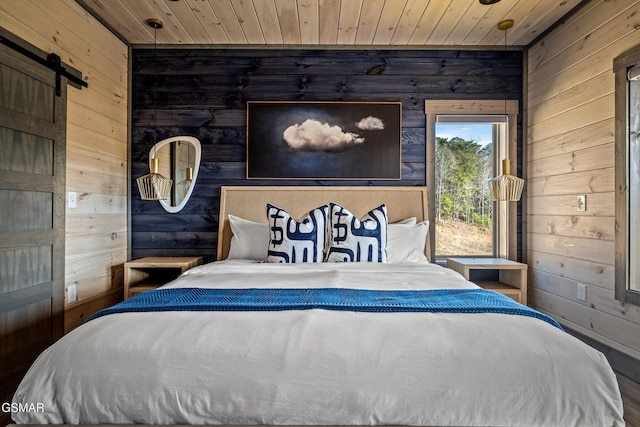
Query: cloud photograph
(370, 123)
(313, 135)
(324, 140)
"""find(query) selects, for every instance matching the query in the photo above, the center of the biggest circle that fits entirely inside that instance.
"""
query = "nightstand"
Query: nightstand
(511, 276)
(152, 272)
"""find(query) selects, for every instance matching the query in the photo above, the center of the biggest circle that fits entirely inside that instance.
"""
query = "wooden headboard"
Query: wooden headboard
(250, 203)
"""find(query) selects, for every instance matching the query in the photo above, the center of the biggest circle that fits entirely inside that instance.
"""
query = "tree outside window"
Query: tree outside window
(464, 209)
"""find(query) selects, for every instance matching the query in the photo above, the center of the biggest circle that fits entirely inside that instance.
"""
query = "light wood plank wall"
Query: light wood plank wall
(570, 152)
(97, 160)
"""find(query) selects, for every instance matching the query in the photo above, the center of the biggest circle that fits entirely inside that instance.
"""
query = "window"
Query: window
(463, 166)
(627, 148)
(466, 142)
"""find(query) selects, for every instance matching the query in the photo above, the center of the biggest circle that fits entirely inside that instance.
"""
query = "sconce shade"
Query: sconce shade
(183, 186)
(506, 187)
(154, 186)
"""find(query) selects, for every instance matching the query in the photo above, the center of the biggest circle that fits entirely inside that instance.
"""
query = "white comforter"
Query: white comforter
(321, 367)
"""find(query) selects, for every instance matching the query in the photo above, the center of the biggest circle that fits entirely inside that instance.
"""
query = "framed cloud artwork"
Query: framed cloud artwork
(324, 140)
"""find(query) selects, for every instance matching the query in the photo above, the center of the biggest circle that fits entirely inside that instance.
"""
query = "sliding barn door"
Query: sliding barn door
(32, 182)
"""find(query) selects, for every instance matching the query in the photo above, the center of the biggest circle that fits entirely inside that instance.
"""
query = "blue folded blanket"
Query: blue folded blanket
(345, 299)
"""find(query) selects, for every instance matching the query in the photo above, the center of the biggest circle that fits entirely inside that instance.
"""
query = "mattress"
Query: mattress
(321, 367)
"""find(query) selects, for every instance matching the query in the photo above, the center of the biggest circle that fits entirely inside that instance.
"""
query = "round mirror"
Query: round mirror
(179, 160)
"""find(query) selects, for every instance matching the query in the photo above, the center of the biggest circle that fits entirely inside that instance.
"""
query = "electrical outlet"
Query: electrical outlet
(582, 203)
(582, 292)
(71, 293)
(72, 199)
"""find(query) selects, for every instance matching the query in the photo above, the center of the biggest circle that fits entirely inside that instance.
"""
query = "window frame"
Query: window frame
(505, 225)
(621, 65)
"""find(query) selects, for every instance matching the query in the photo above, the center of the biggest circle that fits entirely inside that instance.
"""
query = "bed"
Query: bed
(310, 361)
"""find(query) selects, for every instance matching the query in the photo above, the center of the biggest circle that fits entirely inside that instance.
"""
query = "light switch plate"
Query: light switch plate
(72, 199)
(71, 293)
(582, 203)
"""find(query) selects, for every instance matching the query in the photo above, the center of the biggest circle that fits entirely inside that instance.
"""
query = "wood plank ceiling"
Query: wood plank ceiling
(410, 23)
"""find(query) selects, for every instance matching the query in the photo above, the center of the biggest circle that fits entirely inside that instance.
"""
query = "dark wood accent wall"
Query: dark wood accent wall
(203, 93)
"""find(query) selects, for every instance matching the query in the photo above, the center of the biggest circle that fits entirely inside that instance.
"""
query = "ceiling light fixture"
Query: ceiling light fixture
(488, 2)
(154, 186)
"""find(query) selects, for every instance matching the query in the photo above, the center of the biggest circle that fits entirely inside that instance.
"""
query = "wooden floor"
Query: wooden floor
(631, 398)
(5, 418)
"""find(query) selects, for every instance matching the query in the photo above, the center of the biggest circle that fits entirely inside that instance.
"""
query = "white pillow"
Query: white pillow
(410, 221)
(406, 242)
(250, 239)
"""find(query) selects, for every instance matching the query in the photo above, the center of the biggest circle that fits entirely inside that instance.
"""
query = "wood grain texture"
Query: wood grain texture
(203, 93)
(331, 22)
(32, 223)
(630, 390)
(97, 146)
(570, 151)
(25, 152)
(77, 313)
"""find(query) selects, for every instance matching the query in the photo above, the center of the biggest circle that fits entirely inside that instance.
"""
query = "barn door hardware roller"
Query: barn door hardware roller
(51, 61)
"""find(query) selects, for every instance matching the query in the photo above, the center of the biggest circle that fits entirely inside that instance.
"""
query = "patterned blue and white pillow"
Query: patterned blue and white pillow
(292, 241)
(357, 240)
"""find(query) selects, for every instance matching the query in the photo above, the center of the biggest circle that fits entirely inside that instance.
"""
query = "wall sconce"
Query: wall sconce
(154, 186)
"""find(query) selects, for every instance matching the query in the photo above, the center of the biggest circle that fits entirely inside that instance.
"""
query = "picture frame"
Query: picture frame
(324, 140)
